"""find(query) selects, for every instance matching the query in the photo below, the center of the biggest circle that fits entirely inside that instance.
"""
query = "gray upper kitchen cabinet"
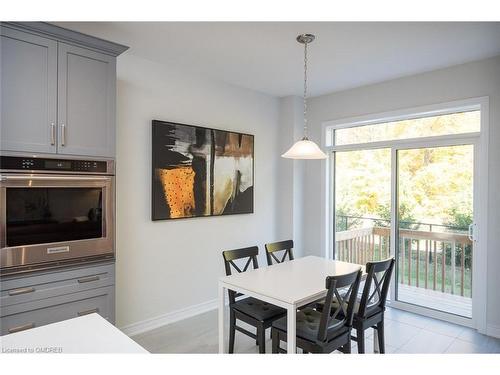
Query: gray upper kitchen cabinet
(58, 90)
(28, 92)
(86, 102)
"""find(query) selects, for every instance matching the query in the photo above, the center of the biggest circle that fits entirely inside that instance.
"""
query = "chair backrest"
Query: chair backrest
(376, 286)
(344, 309)
(249, 254)
(272, 248)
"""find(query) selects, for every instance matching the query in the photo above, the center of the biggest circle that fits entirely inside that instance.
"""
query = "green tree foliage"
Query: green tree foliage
(459, 219)
(434, 185)
(406, 219)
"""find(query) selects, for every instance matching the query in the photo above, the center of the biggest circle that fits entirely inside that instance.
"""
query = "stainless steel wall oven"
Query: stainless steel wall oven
(55, 212)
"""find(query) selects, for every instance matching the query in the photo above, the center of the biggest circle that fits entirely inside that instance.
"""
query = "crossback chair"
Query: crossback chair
(370, 310)
(273, 248)
(327, 330)
(249, 310)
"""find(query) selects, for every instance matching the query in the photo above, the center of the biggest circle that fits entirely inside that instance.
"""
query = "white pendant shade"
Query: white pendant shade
(304, 149)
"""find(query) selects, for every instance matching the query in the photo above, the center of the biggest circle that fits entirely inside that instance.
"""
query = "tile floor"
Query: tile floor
(405, 333)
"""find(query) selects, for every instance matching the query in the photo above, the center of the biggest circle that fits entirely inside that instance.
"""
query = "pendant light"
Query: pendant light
(305, 149)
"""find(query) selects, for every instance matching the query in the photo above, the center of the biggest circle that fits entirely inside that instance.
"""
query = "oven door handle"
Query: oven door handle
(64, 178)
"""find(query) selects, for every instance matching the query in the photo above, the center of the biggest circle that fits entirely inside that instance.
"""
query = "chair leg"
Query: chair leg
(347, 347)
(261, 335)
(381, 338)
(232, 331)
(275, 341)
(360, 338)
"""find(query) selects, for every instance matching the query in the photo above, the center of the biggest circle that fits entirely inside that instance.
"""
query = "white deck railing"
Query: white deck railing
(430, 260)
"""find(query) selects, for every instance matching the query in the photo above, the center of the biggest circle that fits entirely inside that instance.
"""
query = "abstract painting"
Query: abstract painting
(200, 171)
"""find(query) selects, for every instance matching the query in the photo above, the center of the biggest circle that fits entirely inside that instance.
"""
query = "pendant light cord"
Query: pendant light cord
(305, 91)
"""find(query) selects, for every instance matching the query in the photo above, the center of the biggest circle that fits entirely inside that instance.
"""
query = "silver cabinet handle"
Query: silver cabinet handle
(63, 134)
(88, 279)
(87, 312)
(21, 328)
(16, 292)
(52, 133)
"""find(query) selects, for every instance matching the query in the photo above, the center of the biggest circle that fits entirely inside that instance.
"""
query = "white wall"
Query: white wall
(165, 266)
(464, 81)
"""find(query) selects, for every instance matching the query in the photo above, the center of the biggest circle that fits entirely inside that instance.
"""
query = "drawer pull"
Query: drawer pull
(16, 292)
(88, 279)
(87, 312)
(21, 328)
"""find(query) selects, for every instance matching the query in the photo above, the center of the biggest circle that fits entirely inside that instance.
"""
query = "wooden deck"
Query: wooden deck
(437, 300)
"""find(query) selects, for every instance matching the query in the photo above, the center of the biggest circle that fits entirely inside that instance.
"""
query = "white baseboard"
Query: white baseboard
(493, 330)
(168, 318)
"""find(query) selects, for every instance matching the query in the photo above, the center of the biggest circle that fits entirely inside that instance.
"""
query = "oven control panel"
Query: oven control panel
(47, 164)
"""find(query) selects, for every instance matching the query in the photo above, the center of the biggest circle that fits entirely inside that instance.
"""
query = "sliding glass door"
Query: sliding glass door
(435, 210)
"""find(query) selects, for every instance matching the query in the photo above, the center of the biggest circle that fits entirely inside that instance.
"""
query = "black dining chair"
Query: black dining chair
(328, 330)
(370, 310)
(249, 310)
(370, 304)
(272, 250)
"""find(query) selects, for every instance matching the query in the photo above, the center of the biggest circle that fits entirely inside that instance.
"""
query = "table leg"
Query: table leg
(291, 330)
(376, 348)
(222, 311)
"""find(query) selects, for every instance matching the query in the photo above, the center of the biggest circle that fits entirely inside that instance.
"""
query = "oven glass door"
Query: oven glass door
(37, 215)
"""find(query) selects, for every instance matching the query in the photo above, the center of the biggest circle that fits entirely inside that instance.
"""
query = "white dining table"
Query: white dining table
(289, 285)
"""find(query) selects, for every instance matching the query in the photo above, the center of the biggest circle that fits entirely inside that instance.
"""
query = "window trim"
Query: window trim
(466, 105)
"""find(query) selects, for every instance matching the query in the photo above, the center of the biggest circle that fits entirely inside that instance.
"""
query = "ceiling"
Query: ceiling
(264, 56)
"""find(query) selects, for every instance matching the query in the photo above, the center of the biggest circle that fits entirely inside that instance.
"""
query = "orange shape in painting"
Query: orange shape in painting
(178, 187)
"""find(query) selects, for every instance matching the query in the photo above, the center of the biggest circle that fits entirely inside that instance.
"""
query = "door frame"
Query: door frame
(480, 142)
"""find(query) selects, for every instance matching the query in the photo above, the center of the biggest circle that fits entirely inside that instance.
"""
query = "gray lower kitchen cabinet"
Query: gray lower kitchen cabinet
(58, 91)
(56, 309)
(42, 285)
(47, 297)
(28, 92)
(86, 105)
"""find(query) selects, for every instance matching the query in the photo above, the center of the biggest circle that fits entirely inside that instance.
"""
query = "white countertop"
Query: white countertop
(86, 334)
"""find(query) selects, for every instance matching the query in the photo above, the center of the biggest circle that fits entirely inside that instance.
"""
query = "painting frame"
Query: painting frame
(156, 197)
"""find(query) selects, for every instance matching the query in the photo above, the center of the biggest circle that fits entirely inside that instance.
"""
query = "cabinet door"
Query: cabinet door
(86, 102)
(28, 92)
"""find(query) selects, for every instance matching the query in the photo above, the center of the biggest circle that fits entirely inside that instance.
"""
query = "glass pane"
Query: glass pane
(455, 123)
(435, 197)
(43, 215)
(362, 205)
